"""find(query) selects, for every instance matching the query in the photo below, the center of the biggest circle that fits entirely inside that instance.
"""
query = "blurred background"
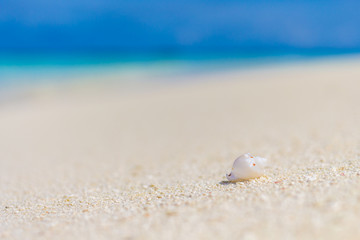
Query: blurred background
(42, 38)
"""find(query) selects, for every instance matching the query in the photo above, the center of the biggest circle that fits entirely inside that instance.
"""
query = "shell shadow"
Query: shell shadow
(231, 182)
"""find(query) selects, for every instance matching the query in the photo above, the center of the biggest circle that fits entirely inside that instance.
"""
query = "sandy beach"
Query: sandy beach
(101, 162)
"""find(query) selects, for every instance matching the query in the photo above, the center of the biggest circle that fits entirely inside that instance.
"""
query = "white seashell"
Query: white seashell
(245, 167)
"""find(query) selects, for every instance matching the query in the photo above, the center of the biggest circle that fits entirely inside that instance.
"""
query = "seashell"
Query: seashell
(246, 167)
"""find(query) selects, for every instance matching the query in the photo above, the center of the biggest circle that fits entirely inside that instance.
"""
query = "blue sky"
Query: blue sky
(138, 24)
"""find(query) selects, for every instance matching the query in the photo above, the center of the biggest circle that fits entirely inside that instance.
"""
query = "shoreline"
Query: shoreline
(40, 74)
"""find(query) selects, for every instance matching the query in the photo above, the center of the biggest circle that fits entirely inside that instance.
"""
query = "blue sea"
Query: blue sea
(30, 67)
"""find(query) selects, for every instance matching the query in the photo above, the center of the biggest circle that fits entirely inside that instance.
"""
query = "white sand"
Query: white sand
(102, 163)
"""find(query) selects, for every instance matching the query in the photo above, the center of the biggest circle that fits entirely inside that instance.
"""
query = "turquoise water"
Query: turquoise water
(35, 67)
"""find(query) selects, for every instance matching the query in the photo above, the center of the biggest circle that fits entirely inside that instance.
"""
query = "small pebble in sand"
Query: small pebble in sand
(246, 167)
